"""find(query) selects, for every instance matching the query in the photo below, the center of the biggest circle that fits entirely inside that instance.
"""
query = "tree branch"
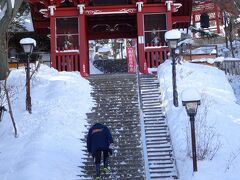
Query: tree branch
(10, 107)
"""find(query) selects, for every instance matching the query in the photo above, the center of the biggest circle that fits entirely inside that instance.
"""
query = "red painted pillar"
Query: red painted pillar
(53, 41)
(84, 62)
(217, 18)
(194, 23)
(169, 18)
(141, 39)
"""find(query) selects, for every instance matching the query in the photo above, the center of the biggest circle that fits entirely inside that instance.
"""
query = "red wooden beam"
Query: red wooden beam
(69, 11)
(110, 35)
(41, 25)
(179, 19)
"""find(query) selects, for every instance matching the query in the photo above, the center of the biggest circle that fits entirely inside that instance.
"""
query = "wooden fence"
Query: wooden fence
(155, 55)
(68, 61)
(230, 67)
(206, 51)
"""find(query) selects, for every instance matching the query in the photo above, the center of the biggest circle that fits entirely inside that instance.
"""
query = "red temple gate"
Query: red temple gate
(72, 23)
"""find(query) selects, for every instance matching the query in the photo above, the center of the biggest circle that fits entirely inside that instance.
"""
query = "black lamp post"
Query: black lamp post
(27, 45)
(172, 37)
(191, 101)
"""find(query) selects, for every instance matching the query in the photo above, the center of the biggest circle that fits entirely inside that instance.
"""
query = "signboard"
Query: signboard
(131, 60)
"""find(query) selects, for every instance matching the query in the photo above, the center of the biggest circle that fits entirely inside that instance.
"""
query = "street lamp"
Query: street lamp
(27, 45)
(191, 101)
(172, 37)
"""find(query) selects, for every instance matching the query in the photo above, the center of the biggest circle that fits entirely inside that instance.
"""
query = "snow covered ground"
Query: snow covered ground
(217, 121)
(48, 145)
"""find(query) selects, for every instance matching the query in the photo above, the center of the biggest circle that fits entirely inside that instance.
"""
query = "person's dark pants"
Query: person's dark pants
(97, 157)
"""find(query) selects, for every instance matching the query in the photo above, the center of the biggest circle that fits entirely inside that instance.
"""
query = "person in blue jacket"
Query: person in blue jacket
(99, 141)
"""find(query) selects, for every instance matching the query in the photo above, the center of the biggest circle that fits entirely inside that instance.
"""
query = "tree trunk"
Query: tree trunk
(4, 23)
(3, 57)
(231, 36)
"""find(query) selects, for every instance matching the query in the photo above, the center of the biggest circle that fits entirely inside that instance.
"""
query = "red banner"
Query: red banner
(131, 60)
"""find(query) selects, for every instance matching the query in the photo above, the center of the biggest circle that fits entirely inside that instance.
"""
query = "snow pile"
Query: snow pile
(3, 10)
(48, 146)
(220, 116)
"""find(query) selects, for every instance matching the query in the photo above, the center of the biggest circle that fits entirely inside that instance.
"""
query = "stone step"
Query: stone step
(161, 133)
(152, 85)
(157, 118)
(155, 101)
(155, 126)
(145, 93)
(152, 106)
(153, 113)
(117, 106)
(153, 110)
(158, 176)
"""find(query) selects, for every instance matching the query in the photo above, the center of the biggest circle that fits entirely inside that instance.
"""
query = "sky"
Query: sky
(48, 145)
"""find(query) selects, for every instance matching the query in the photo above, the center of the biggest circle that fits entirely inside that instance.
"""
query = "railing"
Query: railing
(190, 52)
(230, 67)
(68, 61)
(156, 55)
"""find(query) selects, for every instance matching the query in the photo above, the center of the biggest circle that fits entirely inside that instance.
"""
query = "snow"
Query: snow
(13, 3)
(3, 11)
(48, 146)
(28, 41)
(190, 94)
(104, 49)
(218, 115)
(172, 34)
(68, 50)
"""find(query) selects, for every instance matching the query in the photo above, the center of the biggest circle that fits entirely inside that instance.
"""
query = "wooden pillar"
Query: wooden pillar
(53, 39)
(217, 18)
(194, 23)
(141, 39)
(84, 62)
(169, 18)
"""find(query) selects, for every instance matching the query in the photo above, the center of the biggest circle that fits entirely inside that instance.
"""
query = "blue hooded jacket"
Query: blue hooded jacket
(99, 138)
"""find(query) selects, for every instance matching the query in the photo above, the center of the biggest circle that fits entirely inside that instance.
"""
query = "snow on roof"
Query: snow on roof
(208, 60)
(172, 34)
(28, 41)
(204, 50)
(186, 41)
(190, 94)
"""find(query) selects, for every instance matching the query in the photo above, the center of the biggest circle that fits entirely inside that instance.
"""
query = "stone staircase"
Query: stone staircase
(159, 153)
(117, 106)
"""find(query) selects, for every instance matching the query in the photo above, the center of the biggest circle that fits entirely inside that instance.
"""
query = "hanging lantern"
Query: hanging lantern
(204, 20)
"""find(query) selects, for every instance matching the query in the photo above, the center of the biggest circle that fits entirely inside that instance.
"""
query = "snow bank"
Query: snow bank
(48, 146)
(222, 114)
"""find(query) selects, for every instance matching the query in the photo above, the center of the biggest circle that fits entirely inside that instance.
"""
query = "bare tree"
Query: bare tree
(7, 13)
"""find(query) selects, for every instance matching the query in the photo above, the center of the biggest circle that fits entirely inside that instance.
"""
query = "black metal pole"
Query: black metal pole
(194, 153)
(28, 96)
(174, 80)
